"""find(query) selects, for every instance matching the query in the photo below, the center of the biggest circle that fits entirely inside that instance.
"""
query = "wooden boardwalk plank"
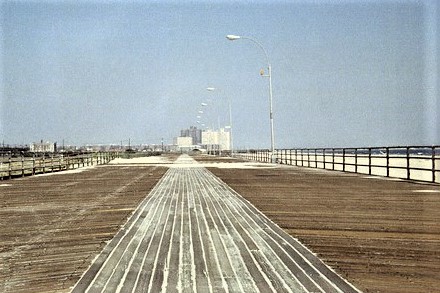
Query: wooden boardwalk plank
(195, 234)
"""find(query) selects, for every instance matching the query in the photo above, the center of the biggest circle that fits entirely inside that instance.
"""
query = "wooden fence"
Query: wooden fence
(13, 167)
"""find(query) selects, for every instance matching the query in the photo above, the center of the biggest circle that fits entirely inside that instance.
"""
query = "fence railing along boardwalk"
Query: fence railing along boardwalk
(12, 167)
(421, 163)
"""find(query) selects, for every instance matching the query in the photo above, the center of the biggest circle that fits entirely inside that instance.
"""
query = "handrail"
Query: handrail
(12, 167)
(420, 163)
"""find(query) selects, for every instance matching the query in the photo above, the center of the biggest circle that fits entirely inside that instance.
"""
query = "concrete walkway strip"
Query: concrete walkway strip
(193, 233)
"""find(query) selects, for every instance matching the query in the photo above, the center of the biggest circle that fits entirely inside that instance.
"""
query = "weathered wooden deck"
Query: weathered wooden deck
(195, 234)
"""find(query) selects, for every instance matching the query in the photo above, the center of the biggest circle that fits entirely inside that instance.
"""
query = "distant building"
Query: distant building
(217, 139)
(43, 147)
(194, 133)
(183, 141)
(183, 144)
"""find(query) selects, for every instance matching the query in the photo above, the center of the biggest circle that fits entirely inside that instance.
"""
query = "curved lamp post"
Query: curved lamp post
(269, 68)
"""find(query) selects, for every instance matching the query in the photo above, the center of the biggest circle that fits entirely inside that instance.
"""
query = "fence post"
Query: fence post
(22, 166)
(333, 159)
(323, 157)
(369, 161)
(316, 158)
(433, 163)
(343, 159)
(308, 158)
(356, 160)
(10, 168)
(387, 154)
(408, 172)
(33, 164)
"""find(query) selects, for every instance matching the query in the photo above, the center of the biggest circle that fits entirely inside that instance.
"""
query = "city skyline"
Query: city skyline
(345, 73)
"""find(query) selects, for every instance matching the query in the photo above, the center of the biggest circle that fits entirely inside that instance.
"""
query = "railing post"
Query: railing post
(343, 159)
(333, 159)
(323, 157)
(387, 154)
(308, 158)
(408, 172)
(433, 163)
(355, 160)
(369, 161)
(316, 159)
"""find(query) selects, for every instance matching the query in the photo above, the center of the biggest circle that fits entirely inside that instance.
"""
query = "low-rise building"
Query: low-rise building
(43, 147)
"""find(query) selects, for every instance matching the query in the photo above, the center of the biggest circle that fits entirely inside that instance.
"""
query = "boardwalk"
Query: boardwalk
(195, 234)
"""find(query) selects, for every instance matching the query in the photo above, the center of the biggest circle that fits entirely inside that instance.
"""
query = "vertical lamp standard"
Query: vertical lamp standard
(211, 89)
(269, 68)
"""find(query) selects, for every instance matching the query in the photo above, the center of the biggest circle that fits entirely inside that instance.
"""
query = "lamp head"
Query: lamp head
(232, 37)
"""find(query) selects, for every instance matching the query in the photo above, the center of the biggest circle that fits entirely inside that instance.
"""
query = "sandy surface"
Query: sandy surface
(204, 161)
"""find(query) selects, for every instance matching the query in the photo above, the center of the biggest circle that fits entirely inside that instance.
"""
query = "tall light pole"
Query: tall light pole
(269, 69)
(211, 89)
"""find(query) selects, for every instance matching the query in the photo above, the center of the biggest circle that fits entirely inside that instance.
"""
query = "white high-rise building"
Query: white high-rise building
(217, 139)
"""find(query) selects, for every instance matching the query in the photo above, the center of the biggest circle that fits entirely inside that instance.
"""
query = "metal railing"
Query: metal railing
(421, 163)
(13, 167)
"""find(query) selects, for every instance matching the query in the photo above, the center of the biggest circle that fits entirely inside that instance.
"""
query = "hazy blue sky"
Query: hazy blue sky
(345, 73)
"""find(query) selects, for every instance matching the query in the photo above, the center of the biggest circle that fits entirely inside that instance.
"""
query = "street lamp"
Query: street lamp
(211, 89)
(269, 68)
